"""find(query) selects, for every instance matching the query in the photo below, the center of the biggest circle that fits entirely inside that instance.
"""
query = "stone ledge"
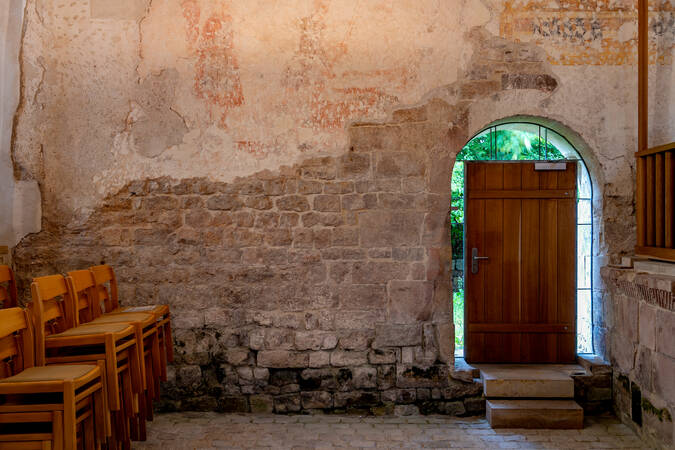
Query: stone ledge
(657, 290)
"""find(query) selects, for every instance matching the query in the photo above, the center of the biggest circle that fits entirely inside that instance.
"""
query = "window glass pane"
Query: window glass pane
(584, 322)
(584, 182)
(584, 211)
(561, 144)
(584, 256)
(519, 141)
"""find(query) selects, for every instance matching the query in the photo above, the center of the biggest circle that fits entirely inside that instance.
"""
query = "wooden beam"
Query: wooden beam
(643, 75)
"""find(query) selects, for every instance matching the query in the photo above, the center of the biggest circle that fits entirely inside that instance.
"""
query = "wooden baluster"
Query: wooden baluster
(640, 202)
(670, 199)
(651, 238)
(659, 200)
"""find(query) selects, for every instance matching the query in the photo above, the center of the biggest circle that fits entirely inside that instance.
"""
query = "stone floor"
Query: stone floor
(211, 430)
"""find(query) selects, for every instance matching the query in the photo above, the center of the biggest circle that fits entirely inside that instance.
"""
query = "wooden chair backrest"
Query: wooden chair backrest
(52, 309)
(103, 275)
(88, 306)
(8, 294)
(16, 341)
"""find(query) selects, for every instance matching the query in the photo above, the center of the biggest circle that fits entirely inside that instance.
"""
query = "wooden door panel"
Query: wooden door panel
(520, 306)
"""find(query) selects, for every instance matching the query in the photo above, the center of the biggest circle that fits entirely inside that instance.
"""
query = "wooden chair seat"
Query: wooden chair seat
(157, 310)
(51, 373)
(144, 318)
(93, 329)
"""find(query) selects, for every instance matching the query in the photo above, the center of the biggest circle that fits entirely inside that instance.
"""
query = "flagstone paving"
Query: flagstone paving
(194, 430)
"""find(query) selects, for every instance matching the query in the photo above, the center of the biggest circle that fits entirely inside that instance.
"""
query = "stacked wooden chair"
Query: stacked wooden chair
(57, 407)
(78, 326)
(8, 295)
(106, 283)
(88, 312)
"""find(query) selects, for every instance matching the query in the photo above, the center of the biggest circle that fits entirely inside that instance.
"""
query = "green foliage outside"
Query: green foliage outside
(458, 315)
(512, 145)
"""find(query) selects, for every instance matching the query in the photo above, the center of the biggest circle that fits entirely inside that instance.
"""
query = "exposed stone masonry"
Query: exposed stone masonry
(322, 287)
(643, 352)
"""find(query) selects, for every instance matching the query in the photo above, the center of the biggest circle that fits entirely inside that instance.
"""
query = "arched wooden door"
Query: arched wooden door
(520, 254)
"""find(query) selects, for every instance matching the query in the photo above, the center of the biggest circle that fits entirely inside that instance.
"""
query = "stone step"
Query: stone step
(528, 381)
(558, 414)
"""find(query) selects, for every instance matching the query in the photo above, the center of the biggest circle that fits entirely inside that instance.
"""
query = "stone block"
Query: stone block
(276, 338)
(410, 301)
(379, 272)
(339, 187)
(287, 403)
(261, 404)
(340, 358)
(363, 297)
(664, 380)
(319, 168)
(406, 410)
(665, 333)
(421, 377)
(320, 379)
(224, 202)
(283, 377)
(356, 340)
(397, 335)
(347, 237)
(646, 325)
(399, 164)
(327, 203)
(314, 340)
(364, 377)
(356, 399)
(316, 400)
(310, 187)
(297, 203)
(236, 356)
(358, 319)
(542, 82)
(382, 356)
(354, 165)
(456, 389)
(319, 359)
(233, 404)
(282, 359)
(386, 376)
(388, 228)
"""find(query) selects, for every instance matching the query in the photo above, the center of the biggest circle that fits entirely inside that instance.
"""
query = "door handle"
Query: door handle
(474, 260)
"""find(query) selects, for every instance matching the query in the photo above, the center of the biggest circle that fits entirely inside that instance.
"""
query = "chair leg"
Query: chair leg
(156, 364)
(162, 352)
(69, 420)
(111, 374)
(168, 339)
(99, 415)
(88, 431)
(57, 430)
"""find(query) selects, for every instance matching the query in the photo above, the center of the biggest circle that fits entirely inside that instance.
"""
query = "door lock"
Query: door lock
(474, 260)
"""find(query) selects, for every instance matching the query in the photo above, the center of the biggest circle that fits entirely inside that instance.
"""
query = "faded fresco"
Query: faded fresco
(135, 89)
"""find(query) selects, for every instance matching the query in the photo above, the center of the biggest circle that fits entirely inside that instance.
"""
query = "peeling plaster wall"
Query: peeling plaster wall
(20, 200)
(128, 99)
(135, 89)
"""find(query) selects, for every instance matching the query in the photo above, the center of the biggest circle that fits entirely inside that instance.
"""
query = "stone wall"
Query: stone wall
(642, 318)
(322, 286)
